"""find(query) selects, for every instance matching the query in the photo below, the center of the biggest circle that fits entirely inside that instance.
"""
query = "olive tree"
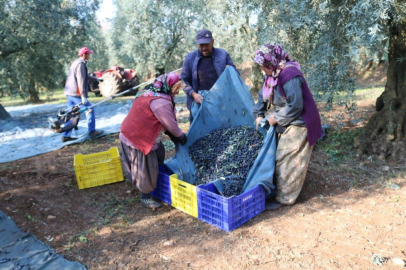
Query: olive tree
(37, 39)
(327, 36)
(235, 29)
(153, 36)
(305, 30)
(232, 27)
(384, 135)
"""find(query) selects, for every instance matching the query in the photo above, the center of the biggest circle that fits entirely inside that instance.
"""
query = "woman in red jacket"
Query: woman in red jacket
(152, 113)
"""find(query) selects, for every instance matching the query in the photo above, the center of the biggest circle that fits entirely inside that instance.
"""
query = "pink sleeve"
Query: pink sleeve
(162, 108)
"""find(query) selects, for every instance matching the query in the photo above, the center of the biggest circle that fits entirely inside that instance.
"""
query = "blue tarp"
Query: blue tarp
(229, 103)
(20, 250)
(263, 169)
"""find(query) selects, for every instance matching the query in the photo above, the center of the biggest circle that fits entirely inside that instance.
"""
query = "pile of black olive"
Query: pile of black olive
(227, 154)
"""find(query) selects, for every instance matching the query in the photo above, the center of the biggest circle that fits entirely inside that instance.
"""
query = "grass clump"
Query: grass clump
(339, 146)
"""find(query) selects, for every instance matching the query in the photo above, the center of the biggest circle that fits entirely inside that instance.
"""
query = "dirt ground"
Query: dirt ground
(350, 215)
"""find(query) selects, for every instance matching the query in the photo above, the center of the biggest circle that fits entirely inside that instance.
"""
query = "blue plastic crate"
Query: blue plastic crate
(229, 213)
(163, 188)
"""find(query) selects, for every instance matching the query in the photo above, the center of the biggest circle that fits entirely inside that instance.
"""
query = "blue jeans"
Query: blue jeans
(91, 120)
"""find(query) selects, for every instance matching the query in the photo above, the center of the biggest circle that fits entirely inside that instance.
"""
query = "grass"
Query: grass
(82, 237)
(57, 97)
(373, 92)
(339, 146)
(30, 218)
(113, 206)
(359, 94)
(54, 97)
(46, 97)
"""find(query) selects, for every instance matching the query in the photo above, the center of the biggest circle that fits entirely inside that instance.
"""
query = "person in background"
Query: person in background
(152, 113)
(295, 117)
(203, 67)
(76, 91)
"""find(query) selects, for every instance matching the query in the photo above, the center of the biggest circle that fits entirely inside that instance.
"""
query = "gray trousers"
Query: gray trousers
(142, 169)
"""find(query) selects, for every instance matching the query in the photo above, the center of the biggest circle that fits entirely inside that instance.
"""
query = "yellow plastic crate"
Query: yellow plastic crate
(183, 195)
(98, 169)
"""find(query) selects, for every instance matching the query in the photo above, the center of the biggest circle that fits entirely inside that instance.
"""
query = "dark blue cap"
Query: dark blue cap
(204, 37)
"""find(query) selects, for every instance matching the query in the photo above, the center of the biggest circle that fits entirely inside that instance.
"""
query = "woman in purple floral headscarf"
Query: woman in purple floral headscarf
(272, 59)
(295, 118)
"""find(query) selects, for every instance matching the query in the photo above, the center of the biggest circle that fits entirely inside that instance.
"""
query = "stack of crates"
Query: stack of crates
(205, 202)
(175, 192)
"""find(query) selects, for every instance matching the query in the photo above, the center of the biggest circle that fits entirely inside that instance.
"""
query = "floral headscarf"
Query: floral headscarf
(161, 87)
(272, 56)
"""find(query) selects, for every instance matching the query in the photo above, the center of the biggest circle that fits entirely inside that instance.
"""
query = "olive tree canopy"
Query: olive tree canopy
(330, 38)
(37, 39)
(153, 36)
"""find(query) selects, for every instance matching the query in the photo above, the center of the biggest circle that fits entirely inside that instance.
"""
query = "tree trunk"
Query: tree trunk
(159, 71)
(32, 90)
(384, 134)
(256, 78)
(3, 113)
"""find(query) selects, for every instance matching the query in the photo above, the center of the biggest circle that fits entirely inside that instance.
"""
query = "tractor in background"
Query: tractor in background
(115, 80)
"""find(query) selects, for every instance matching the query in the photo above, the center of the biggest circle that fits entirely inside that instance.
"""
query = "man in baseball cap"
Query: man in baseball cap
(204, 37)
(76, 91)
(84, 50)
(202, 68)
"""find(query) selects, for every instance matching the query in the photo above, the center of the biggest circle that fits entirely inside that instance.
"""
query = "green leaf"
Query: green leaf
(82, 239)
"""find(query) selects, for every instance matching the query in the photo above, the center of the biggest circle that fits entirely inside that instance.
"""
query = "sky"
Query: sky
(106, 12)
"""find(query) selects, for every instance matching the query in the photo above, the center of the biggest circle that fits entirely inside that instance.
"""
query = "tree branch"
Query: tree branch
(6, 53)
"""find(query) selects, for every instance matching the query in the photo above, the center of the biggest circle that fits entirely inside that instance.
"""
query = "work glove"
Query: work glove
(183, 139)
(172, 137)
(84, 100)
